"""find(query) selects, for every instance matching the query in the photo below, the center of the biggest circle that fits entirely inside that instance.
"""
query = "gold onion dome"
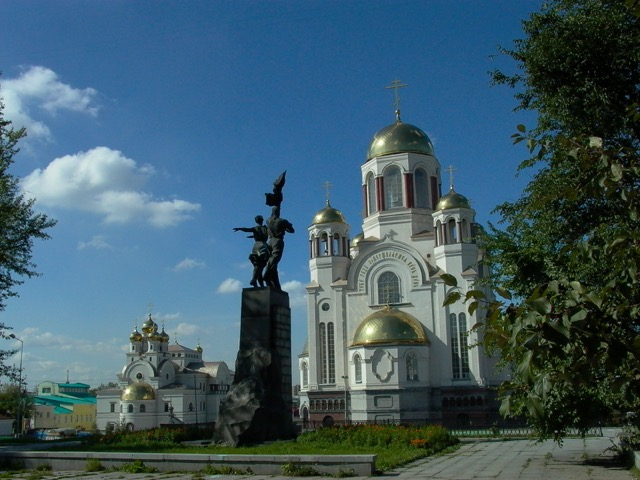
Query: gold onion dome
(199, 348)
(399, 137)
(135, 336)
(138, 391)
(390, 326)
(357, 239)
(164, 336)
(149, 326)
(328, 215)
(453, 200)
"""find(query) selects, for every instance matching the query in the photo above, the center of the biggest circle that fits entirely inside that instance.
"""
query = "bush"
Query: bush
(431, 438)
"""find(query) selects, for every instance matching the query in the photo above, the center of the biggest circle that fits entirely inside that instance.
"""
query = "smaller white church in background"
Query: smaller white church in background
(162, 384)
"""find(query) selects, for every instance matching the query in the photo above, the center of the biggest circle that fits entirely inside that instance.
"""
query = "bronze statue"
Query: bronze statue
(269, 240)
(260, 253)
(277, 227)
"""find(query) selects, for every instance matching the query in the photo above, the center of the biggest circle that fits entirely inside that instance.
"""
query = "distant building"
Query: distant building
(381, 345)
(162, 384)
(64, 405)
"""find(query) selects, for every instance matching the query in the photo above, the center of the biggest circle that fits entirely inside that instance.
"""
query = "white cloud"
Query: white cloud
(105, 182)
(230, 285)
(188, 264)
(187, 329)
(297, 293)
(39, 88)
(98, 242)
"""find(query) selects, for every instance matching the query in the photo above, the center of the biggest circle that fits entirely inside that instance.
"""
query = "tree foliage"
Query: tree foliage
(567, 256)
(19, 226)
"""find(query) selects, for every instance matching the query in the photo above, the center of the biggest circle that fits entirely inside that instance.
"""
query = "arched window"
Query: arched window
(388, 288)
(459, 346)
(335, 245)
(130, 408)
(357, 363)
(330, 405)
(190, 407)
(327, 353)
(324, 245)
(305, 374)
(371, 195)
(412, 367)
(421, 183)
(143, 408)
(393, 188)
(452, 231)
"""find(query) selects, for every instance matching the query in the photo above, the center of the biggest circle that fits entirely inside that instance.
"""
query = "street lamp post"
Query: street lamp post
(19, 422)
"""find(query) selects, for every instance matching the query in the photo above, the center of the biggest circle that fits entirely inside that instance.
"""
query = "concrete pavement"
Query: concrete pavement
(518, 459)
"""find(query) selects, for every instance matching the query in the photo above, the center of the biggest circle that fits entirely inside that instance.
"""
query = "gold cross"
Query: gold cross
(327, 186)
(451, 170)
(396, 84)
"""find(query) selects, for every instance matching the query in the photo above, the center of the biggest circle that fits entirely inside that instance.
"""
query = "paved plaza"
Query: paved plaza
(482, 459)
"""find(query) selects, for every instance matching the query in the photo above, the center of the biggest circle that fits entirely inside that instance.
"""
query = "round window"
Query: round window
(325, 307)
(139, 376)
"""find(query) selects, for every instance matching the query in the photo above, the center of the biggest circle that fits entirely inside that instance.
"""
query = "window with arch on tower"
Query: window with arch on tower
(305, 374)
(393, 188)
(371, 195)
(388, 288)
(421, 183)
(357, 363)
(459, 346)
(327, 353)
(412, 367)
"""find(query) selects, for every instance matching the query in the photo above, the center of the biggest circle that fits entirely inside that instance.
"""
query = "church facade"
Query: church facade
(162, 384)
(381, 346)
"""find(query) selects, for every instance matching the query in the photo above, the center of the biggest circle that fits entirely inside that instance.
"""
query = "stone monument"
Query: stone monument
(258, 407)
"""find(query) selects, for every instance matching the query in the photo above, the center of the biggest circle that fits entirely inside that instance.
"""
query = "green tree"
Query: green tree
(566, 259)
(15, 402)
(19, 226)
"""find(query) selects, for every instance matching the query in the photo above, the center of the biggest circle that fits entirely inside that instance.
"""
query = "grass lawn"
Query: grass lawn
(395, 445)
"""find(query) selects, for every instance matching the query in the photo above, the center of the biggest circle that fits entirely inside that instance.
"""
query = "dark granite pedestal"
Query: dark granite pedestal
(258, 406)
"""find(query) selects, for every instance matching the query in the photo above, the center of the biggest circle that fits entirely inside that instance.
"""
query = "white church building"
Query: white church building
(162, 384)
(381, 346)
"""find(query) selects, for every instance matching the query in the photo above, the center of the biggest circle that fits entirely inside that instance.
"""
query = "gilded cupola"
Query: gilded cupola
(399, 137)
(138, 391)
(390, 326)
(328, 215)
(453, 200)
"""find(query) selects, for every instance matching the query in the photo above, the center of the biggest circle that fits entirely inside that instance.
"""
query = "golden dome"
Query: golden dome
(453, 200)
(199, 348)
(328, 215)
(164, 336)
(357, 239)
(135, 336)
(149, 326)
(138, 391)
(398, 138)
(390, 326)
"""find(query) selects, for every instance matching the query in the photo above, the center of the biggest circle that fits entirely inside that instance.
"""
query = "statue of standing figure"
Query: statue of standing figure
(269, 240)
(260, 252)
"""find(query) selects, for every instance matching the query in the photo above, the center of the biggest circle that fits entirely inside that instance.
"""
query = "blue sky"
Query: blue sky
(155, 127)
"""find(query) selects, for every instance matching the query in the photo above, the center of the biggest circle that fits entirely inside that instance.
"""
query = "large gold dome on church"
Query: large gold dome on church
(399, 137)
(390, 326)
(138, 391)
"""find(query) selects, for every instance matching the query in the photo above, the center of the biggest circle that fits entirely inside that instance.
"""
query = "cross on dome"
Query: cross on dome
(451, 169)
(396, 84)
